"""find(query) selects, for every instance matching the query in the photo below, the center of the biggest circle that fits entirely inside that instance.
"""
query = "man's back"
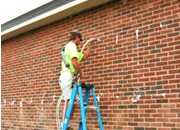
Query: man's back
(71, 52)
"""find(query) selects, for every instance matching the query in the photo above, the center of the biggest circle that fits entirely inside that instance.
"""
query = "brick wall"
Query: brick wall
(138, 77)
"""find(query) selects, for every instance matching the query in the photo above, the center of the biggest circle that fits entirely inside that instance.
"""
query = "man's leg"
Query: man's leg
(72, 114)
(66, 83)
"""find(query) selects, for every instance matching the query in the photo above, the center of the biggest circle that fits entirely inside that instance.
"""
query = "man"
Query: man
(73, 57)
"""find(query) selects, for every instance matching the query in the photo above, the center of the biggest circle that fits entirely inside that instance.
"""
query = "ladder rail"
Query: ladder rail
(69, 109)
(97, 110)
(83, 116)
(86, 102)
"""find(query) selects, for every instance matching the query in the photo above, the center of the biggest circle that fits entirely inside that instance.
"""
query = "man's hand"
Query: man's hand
(78, 75)
(81, 75)
(94, 39)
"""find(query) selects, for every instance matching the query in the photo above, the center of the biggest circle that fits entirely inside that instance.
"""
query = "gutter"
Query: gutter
(50, 16)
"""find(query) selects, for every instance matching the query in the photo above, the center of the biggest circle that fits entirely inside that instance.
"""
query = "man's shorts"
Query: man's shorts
(65, 82)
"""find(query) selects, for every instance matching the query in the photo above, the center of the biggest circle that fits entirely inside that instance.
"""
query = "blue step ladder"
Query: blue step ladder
(83, 106)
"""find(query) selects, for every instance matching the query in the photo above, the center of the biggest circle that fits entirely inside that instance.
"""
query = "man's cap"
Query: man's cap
(77, 33)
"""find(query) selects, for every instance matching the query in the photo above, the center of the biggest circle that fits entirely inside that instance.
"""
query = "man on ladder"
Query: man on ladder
(71, 66)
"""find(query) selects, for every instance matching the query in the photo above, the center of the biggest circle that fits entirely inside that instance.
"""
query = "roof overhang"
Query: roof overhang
(51, 16)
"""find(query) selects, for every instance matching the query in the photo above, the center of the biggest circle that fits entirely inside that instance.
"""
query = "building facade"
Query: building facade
(135, 68)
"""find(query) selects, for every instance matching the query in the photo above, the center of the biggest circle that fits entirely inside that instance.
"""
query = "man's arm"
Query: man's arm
(87, 52)
(77, 66)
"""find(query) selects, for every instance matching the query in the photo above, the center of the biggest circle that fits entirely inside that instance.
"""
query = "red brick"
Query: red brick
(164, 128)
